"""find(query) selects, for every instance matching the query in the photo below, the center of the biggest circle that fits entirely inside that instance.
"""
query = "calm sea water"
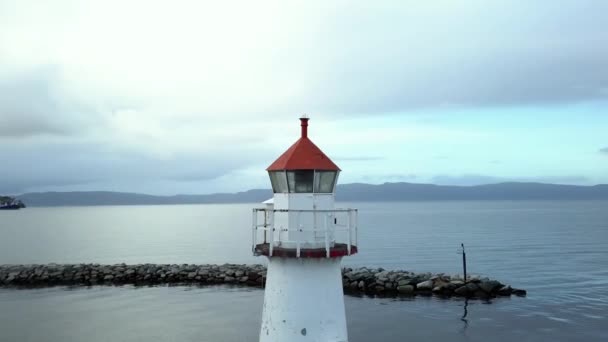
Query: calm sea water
(558, 251)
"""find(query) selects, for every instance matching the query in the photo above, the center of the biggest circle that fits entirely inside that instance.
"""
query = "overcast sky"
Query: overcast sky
(168, 97)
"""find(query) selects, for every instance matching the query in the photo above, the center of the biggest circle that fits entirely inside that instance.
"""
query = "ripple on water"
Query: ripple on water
(559, 319)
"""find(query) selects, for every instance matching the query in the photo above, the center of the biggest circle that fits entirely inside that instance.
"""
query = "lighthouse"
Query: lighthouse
(304, 236)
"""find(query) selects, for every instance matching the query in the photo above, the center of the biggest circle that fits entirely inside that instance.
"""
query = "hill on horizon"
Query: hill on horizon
(354, 192)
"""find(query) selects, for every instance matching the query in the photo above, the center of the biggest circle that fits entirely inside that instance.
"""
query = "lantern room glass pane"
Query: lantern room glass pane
(300, 181)
(325, 181)
(291, 181)
(278, 181)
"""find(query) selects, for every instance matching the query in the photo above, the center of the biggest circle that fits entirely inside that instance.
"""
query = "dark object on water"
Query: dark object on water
(12, 207)
(9, 203)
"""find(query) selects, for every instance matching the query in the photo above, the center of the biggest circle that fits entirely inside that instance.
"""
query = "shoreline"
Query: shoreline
(355, 281)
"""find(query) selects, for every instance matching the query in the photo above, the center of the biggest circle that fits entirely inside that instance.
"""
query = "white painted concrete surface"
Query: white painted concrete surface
(304, 301)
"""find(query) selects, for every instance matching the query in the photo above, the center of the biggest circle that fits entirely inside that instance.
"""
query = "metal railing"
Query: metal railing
(304, 229)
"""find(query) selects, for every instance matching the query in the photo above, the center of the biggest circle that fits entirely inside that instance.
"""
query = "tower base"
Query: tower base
(304, 301)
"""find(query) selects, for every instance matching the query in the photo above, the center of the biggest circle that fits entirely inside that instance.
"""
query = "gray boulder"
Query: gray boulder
(404, 282)
(457, 282)
(489, 286)
(505, 291)
(425, 285)
(472, 287)
(462, 291)
(519, 292)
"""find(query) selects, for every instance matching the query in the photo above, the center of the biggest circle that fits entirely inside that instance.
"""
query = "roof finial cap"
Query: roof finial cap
(304, 123)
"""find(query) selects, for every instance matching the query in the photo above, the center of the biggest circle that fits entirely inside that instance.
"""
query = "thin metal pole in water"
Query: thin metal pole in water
(326, 239)
(464, 262)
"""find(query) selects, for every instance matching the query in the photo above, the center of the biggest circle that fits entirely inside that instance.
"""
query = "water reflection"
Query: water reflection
(464, 315)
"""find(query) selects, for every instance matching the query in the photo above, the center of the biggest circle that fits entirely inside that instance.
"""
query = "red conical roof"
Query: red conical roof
(303, 155)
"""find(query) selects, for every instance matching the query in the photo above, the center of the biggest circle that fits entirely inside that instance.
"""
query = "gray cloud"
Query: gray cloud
(197, 176)
(127, 112)
(30, 105)
(361, 59)
(390, 177)
(70, 165)
(476, 55)
(400, 177)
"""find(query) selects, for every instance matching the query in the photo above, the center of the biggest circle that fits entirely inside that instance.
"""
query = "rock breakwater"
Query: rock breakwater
(370, 281)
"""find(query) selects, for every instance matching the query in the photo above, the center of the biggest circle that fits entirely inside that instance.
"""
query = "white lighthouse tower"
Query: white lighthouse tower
(304, 237)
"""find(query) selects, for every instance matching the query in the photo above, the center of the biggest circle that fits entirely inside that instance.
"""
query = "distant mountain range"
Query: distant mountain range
(356, 192)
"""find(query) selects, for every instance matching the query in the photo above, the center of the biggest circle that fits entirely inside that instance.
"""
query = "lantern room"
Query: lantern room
(301, 218)
(303, 181)
(303, 168)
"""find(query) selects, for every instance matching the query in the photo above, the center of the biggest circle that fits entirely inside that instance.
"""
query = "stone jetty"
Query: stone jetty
(367, 281)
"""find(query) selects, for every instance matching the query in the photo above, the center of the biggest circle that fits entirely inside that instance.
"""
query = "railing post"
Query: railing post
(326, 239)
(298, 234)
(266, 213)
(314, 223)
(254, 229)
(298, 241)
(348, 222)
(356, 227)
(271, 242)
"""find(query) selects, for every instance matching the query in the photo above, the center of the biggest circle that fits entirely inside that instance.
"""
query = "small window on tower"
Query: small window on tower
(300, 180)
